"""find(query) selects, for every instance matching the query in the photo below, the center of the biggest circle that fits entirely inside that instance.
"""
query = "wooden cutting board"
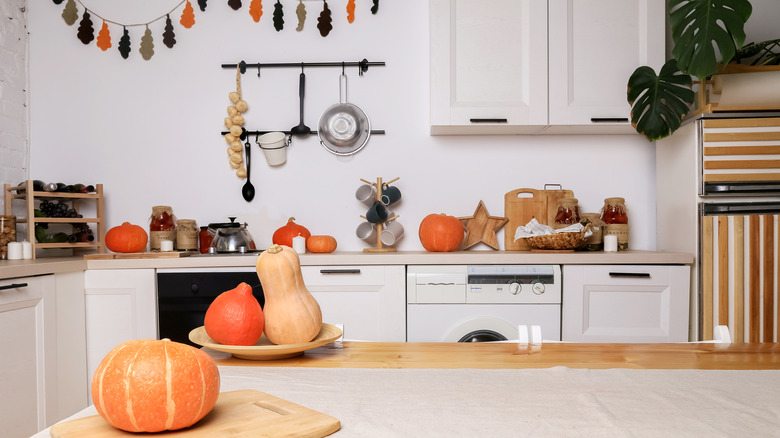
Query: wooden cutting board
(246, 413)
(136, 255)
(520, 206)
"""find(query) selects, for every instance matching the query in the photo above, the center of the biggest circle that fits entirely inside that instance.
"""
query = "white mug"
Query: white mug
(366, 194)
(391, 233)
(367, 232)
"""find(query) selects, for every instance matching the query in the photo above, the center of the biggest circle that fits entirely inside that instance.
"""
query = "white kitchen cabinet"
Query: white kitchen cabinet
(369, 300)
(625, 303)
(28, 401)
(536, 66)
(121, 305)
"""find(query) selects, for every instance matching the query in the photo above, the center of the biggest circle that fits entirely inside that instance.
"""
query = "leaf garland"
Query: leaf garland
(324, 21)
(256, 9)
(71, 13)
(86, 32)
(235, 4)
(124, 43)
(187, 15)
(351, 11)
(147, 45)
(278, 16)
(169, 37)
(104, 37)
(375, 8)
(300, 11)
(202, 5)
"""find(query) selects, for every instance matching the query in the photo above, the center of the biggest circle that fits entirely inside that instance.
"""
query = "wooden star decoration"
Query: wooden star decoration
(481, 227)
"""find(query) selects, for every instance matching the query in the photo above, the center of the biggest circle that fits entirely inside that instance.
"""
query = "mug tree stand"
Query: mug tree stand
(380, 226)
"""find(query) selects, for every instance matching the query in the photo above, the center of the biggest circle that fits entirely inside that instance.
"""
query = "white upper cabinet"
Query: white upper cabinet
(488, 66)
(539, 66)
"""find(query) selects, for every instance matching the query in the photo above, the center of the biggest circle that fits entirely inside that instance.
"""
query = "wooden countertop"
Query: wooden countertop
(350, 354)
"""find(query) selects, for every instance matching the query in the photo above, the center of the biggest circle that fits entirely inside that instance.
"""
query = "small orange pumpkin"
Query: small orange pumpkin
(235, 317)
(285, 234)
(126, 238)
(321, 244)
(146, 385)
(441, 233)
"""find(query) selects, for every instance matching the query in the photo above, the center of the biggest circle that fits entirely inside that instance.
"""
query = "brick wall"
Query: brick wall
(14, 149)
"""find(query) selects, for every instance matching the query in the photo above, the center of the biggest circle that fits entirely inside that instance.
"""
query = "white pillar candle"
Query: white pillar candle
(610, 243)
(166, 245)
(14, 250)
(299, 244)
(26, 250)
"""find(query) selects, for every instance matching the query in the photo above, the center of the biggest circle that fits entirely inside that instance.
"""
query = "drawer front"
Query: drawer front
(17, 290)
(344, 277)
(627, 275)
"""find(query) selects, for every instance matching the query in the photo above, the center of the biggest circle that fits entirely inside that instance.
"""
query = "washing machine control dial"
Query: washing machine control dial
(515, 288)
(538, 288)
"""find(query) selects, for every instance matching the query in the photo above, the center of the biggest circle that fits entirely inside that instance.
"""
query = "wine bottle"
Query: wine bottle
(38, 185)
(82, 188)
(61, 187)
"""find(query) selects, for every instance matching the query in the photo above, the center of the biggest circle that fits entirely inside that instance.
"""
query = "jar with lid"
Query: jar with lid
(186, 235)
(204, 238)
(161, 227)
(7, 234)
(568, 212)
(615, 217)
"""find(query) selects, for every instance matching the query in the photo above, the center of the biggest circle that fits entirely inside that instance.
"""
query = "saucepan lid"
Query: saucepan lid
(344, 128)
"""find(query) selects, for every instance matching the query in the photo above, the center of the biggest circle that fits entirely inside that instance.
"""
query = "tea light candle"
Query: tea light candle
(26, 250)
(299, 244)
(610, 243)
(166, 245)
(14, 250)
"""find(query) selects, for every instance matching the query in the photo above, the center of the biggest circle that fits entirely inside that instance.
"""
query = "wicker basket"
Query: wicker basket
(558, 241)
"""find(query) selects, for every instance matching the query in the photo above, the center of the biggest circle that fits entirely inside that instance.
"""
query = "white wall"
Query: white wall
(149, 130)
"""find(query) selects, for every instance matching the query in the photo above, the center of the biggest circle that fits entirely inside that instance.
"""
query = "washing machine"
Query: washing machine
(481, 303)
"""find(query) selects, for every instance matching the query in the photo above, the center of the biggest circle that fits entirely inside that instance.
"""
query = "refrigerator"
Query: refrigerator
(718, 197)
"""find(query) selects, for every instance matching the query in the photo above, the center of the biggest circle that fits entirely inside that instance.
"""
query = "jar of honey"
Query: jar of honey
(162, 226)
(615, 217)
(568, 212)
(186, 235)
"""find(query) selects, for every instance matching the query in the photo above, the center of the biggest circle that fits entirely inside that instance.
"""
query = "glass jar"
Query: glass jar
(186, 235)
(161, 227)
(7, 234)
(614, 211)
(204, 238)
(596, 241)
(568, 212)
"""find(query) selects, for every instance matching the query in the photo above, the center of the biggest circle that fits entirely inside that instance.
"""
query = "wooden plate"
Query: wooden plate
(264, 349)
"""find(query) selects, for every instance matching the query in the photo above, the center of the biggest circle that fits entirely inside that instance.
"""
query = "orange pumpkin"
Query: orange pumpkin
(235, 317)
(150, 386)
(126, 238)
(321, 244)
(285, 234)
(441, 233)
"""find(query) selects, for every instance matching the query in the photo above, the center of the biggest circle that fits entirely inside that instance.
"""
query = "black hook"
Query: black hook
(342, 67)
(258, 69)
(301, 67)
(362, 66)
(242, 67)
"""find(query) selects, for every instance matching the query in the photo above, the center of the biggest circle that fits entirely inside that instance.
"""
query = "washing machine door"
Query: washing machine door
(482, 329)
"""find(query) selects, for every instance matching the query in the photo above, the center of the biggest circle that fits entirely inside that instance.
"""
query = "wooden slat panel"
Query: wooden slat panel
(769, 278)
(725, 177)
(742, 164)
(754, 266)
(742, 123)
(723, 270)
(741, 136)
(709, 151)
(706, 280)
(739, 278)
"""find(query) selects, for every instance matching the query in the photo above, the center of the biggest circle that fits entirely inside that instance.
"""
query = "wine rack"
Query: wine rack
(23, 190)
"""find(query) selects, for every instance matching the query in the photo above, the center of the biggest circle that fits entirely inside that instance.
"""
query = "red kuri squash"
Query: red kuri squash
(285, 234)
(150, 386)
(235, 317)
(126, 238)
(321, 244)
(441, 233)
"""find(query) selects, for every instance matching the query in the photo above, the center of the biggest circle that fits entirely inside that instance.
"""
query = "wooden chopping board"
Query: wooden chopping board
(136, 255)
(522, 205)
(246, 413)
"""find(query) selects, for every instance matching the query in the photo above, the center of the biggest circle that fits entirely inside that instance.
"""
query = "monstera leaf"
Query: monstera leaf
(697, 24)
(659, 103)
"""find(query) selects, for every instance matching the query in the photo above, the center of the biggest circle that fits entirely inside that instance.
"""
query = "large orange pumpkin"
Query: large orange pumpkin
(441, 233)
(285, 234)
(126, 238)
(150, 386)
(235, 317)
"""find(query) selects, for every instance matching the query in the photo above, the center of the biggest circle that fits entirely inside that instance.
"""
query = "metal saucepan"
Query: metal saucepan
(344, 128)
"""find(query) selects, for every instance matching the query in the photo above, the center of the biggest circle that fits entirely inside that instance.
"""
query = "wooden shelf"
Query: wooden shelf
(20, 192)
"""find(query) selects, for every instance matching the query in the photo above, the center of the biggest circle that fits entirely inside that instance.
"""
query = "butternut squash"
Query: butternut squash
(292, 315)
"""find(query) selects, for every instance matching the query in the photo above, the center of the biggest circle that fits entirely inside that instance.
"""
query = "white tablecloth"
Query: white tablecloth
(555, 402)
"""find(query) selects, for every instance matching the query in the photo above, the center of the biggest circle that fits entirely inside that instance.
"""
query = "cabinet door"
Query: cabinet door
(595, 45)
(28, 367)
(368, 300)
(625, 303)
(488, 66)
(120, 305)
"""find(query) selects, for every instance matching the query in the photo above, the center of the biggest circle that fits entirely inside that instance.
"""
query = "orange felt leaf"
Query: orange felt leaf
(187, 16)
(351, 11)
(256, 9)
(104, 37)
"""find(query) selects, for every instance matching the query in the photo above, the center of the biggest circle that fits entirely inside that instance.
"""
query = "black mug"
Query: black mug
(377, 213)
(390, 194)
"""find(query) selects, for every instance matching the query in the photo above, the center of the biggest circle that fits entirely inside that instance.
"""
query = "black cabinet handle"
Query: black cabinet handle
(630, 274)
(609, 119)
(488, 120)
(339, 271)
(13, 286)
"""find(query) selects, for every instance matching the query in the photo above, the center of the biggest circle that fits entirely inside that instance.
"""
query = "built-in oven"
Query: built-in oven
(184, 295)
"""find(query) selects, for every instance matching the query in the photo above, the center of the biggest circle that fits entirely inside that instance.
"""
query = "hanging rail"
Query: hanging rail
(362, 65)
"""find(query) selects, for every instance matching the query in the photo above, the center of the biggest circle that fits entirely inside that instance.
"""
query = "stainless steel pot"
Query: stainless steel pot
(230, 237)
(344, 128)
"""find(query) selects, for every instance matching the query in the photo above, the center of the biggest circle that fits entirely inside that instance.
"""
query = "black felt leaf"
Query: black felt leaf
(86, 31)
(235, 4)
(375, 8)
(202, 4)
(278, 16)
(56, 2)
(324, 21)
(124, 44)
(169, 38)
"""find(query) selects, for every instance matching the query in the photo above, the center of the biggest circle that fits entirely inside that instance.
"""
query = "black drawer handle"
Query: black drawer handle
(13, 286)
(488, 120)
(609, 119)
(630, 274)
(339, 271)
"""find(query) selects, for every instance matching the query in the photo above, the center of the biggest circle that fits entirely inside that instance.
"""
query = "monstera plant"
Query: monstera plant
(706, 34)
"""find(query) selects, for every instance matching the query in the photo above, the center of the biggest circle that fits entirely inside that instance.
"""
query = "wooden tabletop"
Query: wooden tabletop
(509, 355)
